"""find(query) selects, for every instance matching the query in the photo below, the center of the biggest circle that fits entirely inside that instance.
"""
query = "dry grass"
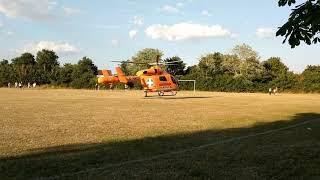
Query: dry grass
(31, 121)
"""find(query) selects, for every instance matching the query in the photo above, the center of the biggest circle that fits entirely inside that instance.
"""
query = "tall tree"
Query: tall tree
(142, 58)
(177, 67)
(244, 51)
(278, 74)
(249, 60)
(303, 23)
(211, 64)
(24, 66)
(84, 74)
(311, 78)
(252, 69)
(47, 62)
(6, 73)
(65, 74)
(275, 67)
(231, 64)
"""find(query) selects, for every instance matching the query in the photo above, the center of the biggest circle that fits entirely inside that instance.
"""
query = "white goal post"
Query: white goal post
(189, 80)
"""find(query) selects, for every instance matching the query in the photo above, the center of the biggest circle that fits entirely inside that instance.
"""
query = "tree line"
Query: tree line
(242, 70)
(45, 69)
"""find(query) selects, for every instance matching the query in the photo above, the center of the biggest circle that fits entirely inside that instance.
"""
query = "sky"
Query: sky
(117, 29)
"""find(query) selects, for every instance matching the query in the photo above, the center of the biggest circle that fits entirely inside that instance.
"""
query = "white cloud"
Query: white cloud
(60, 48)
(266, 32)
(71, 11)
(137, 20)
(170, 9)
(205, 13)
(28, 9)
(185, 31)
(133, 33)
(179, 4)
(9, 33)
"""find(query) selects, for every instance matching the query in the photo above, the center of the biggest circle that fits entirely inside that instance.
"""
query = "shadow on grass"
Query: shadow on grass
(233, 154)
(167, 97)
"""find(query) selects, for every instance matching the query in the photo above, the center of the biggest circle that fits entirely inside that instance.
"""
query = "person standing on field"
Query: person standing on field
(9, 85)
(270, 91)
(16, 85)
(275, 90)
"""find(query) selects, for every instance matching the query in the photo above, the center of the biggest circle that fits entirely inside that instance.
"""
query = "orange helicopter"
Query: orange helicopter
(153, 79)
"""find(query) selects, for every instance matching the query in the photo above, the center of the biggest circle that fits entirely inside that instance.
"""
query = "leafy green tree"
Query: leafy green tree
(277, 74)
(303, 23)
(231, 64)
(249, 65)
(24, 66)
(252, 69)
(65, 74)
(274, 67)
(47, 62)
(244, 51)
(193, 72)
(6, 73)
(84, 74)
(142, 58)
(211, 64)
(311, 79)
(285, 81)
(177, 67)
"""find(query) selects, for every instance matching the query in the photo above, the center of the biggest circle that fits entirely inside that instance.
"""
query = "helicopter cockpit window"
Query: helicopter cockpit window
(173, 80)
(162, 78)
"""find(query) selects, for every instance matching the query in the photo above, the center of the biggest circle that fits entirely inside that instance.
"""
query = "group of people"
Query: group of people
(273, 91)
(20, 85)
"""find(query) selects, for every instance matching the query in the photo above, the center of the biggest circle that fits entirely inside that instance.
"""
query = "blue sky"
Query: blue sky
(117, 29)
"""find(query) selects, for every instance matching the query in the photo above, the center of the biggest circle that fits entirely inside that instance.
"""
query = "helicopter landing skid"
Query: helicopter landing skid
(173, 93)
(161, 93)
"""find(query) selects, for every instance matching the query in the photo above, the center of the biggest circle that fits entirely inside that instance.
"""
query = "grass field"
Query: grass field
(82, 134)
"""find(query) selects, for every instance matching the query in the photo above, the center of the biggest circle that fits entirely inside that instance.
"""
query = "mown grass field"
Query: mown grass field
(82, 134)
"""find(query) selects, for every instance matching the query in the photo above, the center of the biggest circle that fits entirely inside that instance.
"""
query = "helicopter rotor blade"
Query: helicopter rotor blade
(171, 62)
(165, 64)
(129, 62)
(123, 61)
